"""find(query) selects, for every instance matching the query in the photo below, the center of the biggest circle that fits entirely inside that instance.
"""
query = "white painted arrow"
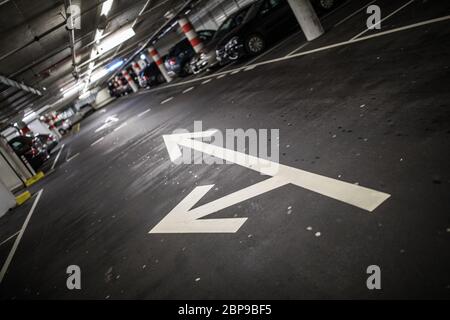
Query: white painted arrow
(184, 219)
(108, 123)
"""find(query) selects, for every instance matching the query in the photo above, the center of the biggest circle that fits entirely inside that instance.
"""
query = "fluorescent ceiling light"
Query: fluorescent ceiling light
(99, 74)
(106, 7)
(98, 35)
(113, 41)
(73, 90)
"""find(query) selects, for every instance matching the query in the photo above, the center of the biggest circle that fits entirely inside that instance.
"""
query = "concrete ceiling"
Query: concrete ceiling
(35, 46)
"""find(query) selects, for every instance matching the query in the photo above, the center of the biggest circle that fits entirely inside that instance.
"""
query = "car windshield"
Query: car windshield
(231, 23)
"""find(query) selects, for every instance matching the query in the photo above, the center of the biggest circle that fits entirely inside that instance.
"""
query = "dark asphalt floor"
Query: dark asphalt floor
(374, 112)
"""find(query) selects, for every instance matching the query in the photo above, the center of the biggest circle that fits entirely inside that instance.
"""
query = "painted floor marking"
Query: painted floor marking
(188, 89)
(97, 141)
(9, 238)
(73, 157)
(142, 113)
(385, 18)
(184, 219)
(167, 100)
(19, 237)
(206, 81)
(57, 157)
(120, 127)
(354, 13)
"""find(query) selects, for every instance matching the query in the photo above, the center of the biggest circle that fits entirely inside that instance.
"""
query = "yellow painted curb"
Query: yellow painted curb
(21, 198)
(34, 179)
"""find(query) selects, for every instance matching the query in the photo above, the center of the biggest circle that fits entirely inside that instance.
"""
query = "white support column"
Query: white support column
(130, 80)
(7, 200)
(307, 18)
(155, 56)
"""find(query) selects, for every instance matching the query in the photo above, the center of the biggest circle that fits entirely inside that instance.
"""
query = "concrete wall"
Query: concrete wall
(7, 200)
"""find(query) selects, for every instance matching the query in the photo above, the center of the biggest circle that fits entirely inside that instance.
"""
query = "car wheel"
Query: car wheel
(326, 4)
(255, 44)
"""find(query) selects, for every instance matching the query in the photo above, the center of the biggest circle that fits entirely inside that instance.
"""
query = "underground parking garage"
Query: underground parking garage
(209, 150)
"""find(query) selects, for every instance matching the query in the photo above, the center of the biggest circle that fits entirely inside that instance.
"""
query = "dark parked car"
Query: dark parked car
(48, 141)
(150, 76)
(31, 148)
(253, 28)
(178, 60)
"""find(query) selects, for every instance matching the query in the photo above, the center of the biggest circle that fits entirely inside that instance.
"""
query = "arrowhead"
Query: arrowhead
(181, 220)
(172, 141)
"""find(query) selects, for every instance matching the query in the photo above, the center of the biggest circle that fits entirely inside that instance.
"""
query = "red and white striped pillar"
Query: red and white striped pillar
(136, 67)
(159, 62)
(130, 80)
(190, 34)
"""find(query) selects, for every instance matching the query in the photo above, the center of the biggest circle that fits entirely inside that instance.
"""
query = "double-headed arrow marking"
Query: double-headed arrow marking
(184, 219)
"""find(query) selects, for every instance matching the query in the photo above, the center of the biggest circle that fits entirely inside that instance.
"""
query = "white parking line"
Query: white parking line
(299, 48)
(221, 76)
(19, 237)
(120, 127)
(188, 89)
(250, 67)
(97, 141)
(206, 81)
(235, 71)
(387, 17)
(354, 13)
(9, 238)
(73, 157)
(57, 157)
(167, 100)
(142, 113)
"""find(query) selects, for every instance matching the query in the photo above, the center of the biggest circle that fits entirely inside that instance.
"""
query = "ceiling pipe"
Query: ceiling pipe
(18, 85)
(72, 40)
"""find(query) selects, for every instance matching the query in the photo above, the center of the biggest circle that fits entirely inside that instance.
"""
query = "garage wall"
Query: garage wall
(7, 175)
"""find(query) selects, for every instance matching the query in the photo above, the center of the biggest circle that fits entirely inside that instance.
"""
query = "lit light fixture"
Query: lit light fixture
(113, 41)
(98, 35)
(106, 7)
(73, 90)
(143, 57)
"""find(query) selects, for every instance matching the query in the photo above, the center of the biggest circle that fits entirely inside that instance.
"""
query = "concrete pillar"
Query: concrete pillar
(23, 171)
(7, 200)
(159, 62)
(130, 80)
(190, 33)
(307, 18)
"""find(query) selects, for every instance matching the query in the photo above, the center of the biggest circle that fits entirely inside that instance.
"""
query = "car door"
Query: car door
(272, 18)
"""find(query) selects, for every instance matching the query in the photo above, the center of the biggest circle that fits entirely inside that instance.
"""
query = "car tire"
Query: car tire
(255, 44)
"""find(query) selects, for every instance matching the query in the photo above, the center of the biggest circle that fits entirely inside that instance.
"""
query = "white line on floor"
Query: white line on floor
(188, 89)
(142, 113)
(387, 17)
(120, 127)
(167, 100)
(299, 48)
(57, 157)
(235, 71)
(250, 67)
(19, 237)
(221, 76)
(9, 238)
(354, 13)
(208, 78)
(97, 141)
(73, 157)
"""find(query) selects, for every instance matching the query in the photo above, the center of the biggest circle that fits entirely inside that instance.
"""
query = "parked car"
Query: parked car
(178, 60)
(150, 76)
(48, 141)
(250, 30)
(30, 148)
